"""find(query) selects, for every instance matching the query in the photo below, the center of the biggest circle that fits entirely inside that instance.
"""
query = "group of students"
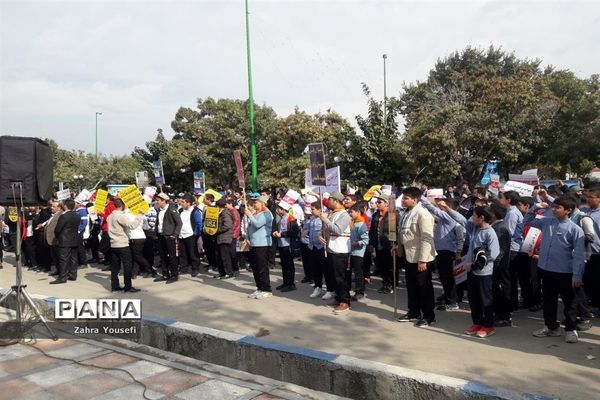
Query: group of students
(484, 240)
(339, 238)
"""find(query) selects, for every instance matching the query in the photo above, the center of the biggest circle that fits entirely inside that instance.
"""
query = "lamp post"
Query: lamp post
(384, 92)
(79, 180)
(97, 113)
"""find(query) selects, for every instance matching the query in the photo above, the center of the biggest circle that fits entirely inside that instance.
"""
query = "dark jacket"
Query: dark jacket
(378, 236)
(225, 229)
(504, 240)
(171, 222)
(67, 229)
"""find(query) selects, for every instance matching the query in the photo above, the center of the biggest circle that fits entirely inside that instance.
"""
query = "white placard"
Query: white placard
(83, 196)
(332, 178)
(533, 236)
(149, 193)
(63, 194)
(522, 188)
(435, 193)
(460, 273)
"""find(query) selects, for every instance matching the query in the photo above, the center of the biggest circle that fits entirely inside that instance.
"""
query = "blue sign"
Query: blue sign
(490, 169)
(199, 182)
(159, 176)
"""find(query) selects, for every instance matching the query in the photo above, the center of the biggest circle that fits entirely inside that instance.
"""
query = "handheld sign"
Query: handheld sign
(63, 194)
(159, 176)
(237, 156)
(133, 199)
(316, 155)
(392, 220)
(100, 202)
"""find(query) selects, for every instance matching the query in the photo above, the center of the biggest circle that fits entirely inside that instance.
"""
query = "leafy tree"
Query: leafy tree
(476, 105)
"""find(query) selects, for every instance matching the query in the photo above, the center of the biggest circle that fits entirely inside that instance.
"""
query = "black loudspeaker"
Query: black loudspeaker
(27, 161)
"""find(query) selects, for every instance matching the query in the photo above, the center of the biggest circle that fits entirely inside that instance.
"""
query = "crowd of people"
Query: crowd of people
(481, 244)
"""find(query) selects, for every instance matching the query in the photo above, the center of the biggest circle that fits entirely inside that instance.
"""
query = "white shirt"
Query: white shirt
(161, 218)
(186, 227)
(137, 233)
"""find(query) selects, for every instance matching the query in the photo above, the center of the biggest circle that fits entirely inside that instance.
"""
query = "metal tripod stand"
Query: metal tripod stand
(22, 297)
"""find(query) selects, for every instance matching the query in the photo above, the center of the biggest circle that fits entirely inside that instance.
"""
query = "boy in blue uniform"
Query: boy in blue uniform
(562, 263)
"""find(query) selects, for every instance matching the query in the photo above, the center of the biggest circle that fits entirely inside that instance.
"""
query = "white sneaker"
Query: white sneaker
(253, 294)
(328, 296)
(571, 337)
(546, 332)
(263, 295)
(316, 293)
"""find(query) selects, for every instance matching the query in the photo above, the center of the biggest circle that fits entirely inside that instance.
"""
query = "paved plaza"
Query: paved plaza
(511, 359)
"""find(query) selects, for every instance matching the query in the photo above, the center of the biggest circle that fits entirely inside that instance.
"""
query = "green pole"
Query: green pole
(384, 93)
(251, 106)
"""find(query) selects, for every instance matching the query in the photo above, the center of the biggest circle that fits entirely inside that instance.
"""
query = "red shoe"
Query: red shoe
(473, 329)
(484, 332)
(341, 308)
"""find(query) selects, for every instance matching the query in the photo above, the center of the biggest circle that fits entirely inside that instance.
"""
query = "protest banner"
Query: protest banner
(332, 183)
(134, 200)
(373, 190)
(199, 182)
(113, 190)
(522, 178)
(100, 202)
(316, 155)
(435, 193)
(532, 239)
(237, 157)
(159, 176)
(522, 188)
(63, 194)
(141, 179)
(491, 168)
(289, 199)
(83, 196)
(211, 220)
(149, 193)
(460, 273)
(386, 189)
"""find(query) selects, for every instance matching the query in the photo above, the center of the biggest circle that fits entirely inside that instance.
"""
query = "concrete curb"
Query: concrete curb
(327, 372)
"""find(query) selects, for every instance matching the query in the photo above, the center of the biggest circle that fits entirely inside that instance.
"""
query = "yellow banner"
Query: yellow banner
(133, 199)
(100, 202)
(372, 192)
(216, 194)
(13, 216)
(211, 220)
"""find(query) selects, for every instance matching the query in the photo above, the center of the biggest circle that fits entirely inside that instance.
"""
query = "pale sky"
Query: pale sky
(137, 62)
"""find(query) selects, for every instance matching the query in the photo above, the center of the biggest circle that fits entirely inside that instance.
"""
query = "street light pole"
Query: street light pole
(97, 113)
(251, 105)
(384, 92)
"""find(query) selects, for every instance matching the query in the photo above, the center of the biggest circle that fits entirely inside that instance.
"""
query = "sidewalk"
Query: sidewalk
(26, 373)
(510, 359)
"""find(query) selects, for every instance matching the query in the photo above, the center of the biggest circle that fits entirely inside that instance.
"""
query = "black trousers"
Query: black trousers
(383, 264)
(480, 299)
(120, 255)
(28, 248)
(67, 263)
(305, 252)
(81, 251)
(419, 288)
(288, 270)
(520, 275)
(210, 249)
(94, 244)
(367, 262)
(558, 284)
(338, 263)
(190, 250)
(501, 292)
(167, 248)
(318, 266)
(259, 260)
(150, 246)
(137, 253)
(272, 254)
(445, 266)
(105, 246)
(356, 267)
(224, 259)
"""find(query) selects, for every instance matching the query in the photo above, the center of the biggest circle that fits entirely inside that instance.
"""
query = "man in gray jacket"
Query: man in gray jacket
(168, 227)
